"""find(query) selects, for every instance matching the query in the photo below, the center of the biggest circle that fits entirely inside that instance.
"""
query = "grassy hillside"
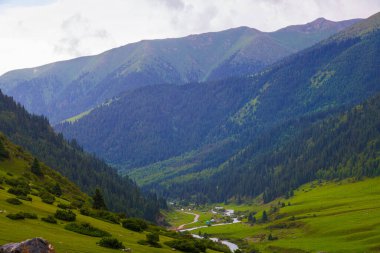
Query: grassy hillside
(17, 167)
(341, 216)
(35, 135)
(30, 201)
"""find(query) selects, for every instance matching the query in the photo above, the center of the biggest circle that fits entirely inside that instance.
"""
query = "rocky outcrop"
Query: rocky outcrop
(35, 245)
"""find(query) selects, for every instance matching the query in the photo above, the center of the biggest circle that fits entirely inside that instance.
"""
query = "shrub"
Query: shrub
(26, 198)
(14, 201)
(134, 224)
(19, 190)
(47, 198)
(21, 216)
(78, 203)
(66, 215)
(16, 216)
(30, 216)
(63, 206)
(185, 245)
(153, 239)
(112, 243)
(49, 219)
(86, 229)
(85, 211)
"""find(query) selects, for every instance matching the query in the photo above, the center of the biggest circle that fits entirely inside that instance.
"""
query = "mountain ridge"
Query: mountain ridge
(71, 87)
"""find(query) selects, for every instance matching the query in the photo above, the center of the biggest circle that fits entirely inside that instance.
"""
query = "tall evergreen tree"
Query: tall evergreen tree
(56, 190)
(3, 152)
(98, 201)
(264, 217)
(36, 168)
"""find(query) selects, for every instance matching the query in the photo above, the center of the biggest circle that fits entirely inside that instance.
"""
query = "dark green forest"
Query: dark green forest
(88, 172)
(197, 129)
(339, 146)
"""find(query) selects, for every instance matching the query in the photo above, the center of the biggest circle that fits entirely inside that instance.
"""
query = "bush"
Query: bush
(16, 216)
(63, 206)
(86, 229)
(21, 216)
(66, 215)
(101, 215)
(85, 211)
(47, 198)
(109, 242)
(14, 201)
(153, 239)
(30, 216)
(19, 190)
(134, 224)
(185, 245)
(49, 219)
(26, 198)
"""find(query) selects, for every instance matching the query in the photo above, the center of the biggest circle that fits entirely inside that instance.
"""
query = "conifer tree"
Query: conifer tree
(56, 190)
(36, 168)
(3, 152)
(98, 201)
(265, 217)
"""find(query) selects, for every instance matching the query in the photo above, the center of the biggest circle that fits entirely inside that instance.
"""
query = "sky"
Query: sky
(36, 32)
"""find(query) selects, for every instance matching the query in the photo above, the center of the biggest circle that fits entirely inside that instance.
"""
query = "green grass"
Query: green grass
(62, 239)
(177, 218)
(18, 166)
(330, 217)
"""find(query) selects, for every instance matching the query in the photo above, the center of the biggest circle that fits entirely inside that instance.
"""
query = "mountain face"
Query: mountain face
(338, 146)
(34, 134)
(64, 89)
(157, 123)
(169, 134)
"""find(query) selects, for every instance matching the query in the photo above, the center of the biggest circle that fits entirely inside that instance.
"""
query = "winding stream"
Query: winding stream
(230, 245)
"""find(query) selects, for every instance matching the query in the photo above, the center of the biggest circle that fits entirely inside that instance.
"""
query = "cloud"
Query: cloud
(77, 31)
(41, 31)
(173, 4)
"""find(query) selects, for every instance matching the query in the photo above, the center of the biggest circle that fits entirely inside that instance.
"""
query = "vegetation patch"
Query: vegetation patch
(66, 215)
(49, 219)
(134, 224)
(47, 198)
(85, 228)
(110, 242)
(21, 216)
(101, 215)
(14, 201)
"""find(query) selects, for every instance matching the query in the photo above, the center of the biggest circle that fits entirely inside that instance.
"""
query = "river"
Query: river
(230, 245)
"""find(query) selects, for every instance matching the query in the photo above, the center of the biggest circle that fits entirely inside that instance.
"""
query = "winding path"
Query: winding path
(196, 218)
(230, 245)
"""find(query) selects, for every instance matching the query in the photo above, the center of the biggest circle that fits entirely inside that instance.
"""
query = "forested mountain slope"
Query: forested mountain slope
(340, 146)
(35, 135)
(64, 89)
(200, 126)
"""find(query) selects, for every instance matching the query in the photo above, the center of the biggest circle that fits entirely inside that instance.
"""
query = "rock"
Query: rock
(35, 245)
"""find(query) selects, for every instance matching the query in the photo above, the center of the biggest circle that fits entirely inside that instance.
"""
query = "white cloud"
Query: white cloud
(51, 30)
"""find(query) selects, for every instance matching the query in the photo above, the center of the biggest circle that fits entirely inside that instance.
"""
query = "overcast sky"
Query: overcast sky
(35, 32)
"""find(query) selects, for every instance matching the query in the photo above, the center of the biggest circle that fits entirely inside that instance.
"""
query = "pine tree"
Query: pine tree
(98, 201)
(3, 152)
(265, 217)
(36, 169)
(56, 190)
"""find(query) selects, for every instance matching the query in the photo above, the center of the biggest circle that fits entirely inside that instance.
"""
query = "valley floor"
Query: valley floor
(339, 216)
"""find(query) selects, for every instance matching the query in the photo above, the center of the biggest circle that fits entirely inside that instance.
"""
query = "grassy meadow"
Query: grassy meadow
(322, 217)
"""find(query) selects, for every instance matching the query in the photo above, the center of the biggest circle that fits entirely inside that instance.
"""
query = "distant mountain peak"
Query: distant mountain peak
(320, 24)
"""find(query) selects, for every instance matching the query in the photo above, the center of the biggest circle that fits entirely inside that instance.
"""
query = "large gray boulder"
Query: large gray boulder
(35, 245)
